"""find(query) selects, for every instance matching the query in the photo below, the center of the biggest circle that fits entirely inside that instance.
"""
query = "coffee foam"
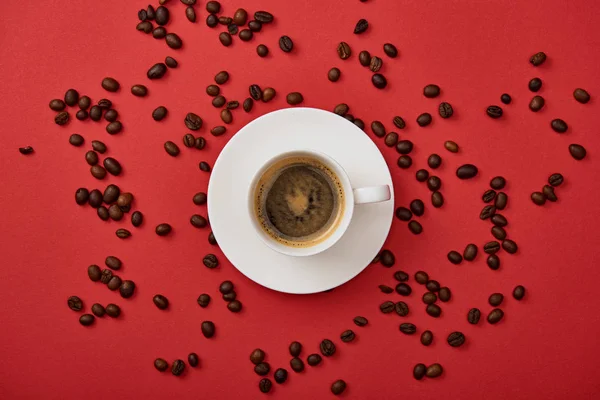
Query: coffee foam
(264, 185)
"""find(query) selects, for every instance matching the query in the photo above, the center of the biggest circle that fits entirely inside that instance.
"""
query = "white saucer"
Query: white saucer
(256, 143)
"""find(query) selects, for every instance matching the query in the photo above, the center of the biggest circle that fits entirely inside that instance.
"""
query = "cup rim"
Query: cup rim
(345, 218)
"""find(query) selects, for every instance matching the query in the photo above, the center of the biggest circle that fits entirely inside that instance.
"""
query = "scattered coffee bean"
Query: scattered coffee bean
(212, 20)
(255, 92)
(375, 64)
(360, 321)
(105, 104)
(509, 246)
(505, 98)
(208, 329)
(113, 263)
(548, 191)
(494, 112)
(519, 292)
(98, 172)
(333, 75)
(498, 232)
(386, 307)
(536, 103)
(280, 375)
(495, 316)
(491, 247)
(473, 316)
(114, 127)
(434, 161)
(577, 151)
(246, 35)
(581, 95)
(404, 162)
(431, 91)
(193, 122)
(263, 51)
(225, 39)
(144, 26)
(91, 157)
(401, 276)
(426, 338)
(94, 273)
(178, 367)
(493, 261)
(454, 257)
(535, 84)
(403, 289)
(501, 201)
(199, 198)
(538, 59)
(112, 166)
(495, 299)
(424, 119)
(268, 94)
(445, 110)
(61, 118)
(341, 109)
(297, 364)
(399, 122)
(262, 369)
(159, 113)
(163, 229)
(499, 220)
(103, 213)
(247, 105)
(434, 370)
(434, 183)
(421, 277)
(466, 171)
(127, 289)
(445, 294)
(422, 175)
(347, 336)
(257, 356)
(294, 98)
(110, 115)
(95, 113)
(87, 319)
(286, 44)
(71, 97)
(255, 26)
(204, 300)
(161, 364)
(162, 15)
(456, 339)
(226, 116)
(110, 84)
(417, 207)
(359, 123)
(559, 126)
(204, 167)
(98, 310)
(210, 261)
(222, 77)
(82, 115)
(419, 371)
(403, 214)
(57, 105)
(344, 51)
(361, 26)
(157, 71)
(390, 50)
(555, 179)
(263, 17)
(433, 310)
(364, 58)
(95, 198)
(386, 289)
(161, 301)
(106, 276)
(415, 227)
(429, 298)
(338, 387)
(401, 308)
(379, 81)
(378, 128)
(432, 285)
(470, 252)
(408, 328)
(265, 385)
(219, 101)
(314, 360)
(81, 196)
(75, 303)
(113, 310)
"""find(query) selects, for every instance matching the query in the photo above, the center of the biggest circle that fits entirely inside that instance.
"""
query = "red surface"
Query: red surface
(546, 346)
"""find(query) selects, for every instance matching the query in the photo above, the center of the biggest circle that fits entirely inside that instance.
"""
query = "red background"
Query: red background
(546, 346)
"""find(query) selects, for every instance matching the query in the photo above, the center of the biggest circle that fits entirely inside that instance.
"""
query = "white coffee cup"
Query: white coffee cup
(352, 196)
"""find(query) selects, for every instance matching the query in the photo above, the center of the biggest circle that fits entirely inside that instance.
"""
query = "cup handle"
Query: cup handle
(371, 194)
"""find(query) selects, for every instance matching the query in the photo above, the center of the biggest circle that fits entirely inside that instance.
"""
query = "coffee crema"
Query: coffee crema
(299, 201)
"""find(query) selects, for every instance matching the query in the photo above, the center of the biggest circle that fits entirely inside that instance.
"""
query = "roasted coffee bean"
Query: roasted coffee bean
(495, 299)
(401, 308)
(487, 212)
(404, 162)
(426, 338)
(110, 84)
(213, 7)
(431, 91)
(498, 232)
(75, 303)
(139, 90)
(581, 95)
(415, 227)
(403, 214)
(112, 166)
(536, 103)
(505, 98)
(98, 310)
(364, 58)
(105, 104)
(327, 347)
(491, 247)
(509, 246)
(124, 201)
(432, 285)
(106, 275)
(210, 261)
(110, 115)
(399, 122)
(577, 151)
(421, 277)
(501, 200)
(429, 298)
(555, 179)
(456, 339)
(160, 301)
(495, 316)
(548, 192)
(157, 71)
(433, 310)
(294, 98)
(113, 263)
(82, 115)
(189, 140)
(71, 97)
(387, 258)
(204, 167)
(379, 81)
(91, 157)
(255, 26)
(386, 289)
(240, 17)
(137, 218)
(359, 123)
(190, 14)
(163, 229)
(390, 50)
(144, 26)
(408, 328)
(378, 128)
(265, 385)
(200, 143)
(255, 92)
(499, 220)
(262, 369)
(81, 196)
(493, 261)
(57, 105)
(387, 307)
(263, 17)
(87, 319)
(98, 146)
(361, 26)
(193, 122)
(424, 119)
(360, 321)
(494, 112)
(445, 110)
(127, 289)
(159, 113)
(113, 310)
(422, 175)
(417, 207)
(247, 105)
(297, 364)
(246, 35)
(434, 370)
(225, 39)
(419, 371)
(349, 117)
(219, 101)
(103, 213)
(218, 130)
(226, 287)
(280, 375)
(61, 118)
(434, 183)
(286, 44)
(347, 336)
(204, 300)
(537, 59)
(193, 359)
(445, 294)
(257, 356)
(114, 127)
(467, 171)
(341, 109)
(114, 283)
(559, 126)
(95, 198)
(268, 94)
(338, 387)
(213, 90)
(314, 360)
(434, 161)
(519, 292)
(208, 329)
(375, 64)
(263, 51)
(295, 349)
(199, 198)
(401, 276)
(212, 20)
(403, 289)
(470, 252)
(162, 15)
(454, 257)
(473, 316)
(226, 116)
(535, 84)
(222, 77)
(178, 366)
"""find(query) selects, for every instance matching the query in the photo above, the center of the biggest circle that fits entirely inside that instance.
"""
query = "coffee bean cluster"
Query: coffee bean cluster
(343, 110)
(98, 310)
(230, 296)
(496, 314)
(161, 16)
(547, 193)
(114, 282)
(178, 367)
